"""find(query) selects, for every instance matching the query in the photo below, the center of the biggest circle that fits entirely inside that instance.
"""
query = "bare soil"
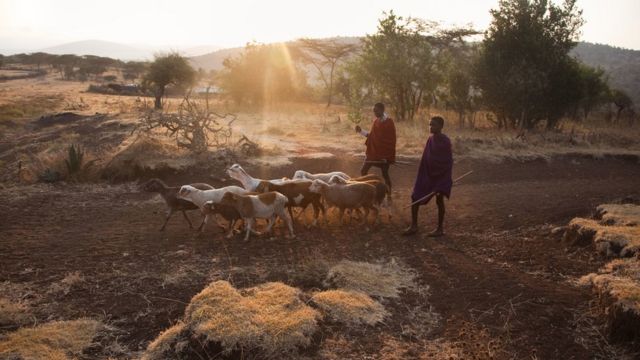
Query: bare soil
(499, 268)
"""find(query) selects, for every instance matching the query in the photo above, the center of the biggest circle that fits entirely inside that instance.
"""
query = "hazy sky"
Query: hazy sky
(33, 24)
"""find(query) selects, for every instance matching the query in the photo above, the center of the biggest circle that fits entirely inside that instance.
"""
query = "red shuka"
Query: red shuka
(381, 142)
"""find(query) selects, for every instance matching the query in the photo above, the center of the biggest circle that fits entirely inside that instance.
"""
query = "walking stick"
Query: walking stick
(433, 192)
(376, 162)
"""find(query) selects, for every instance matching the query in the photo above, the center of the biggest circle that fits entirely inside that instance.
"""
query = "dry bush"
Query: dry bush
(145, 153)
(384, 280)
(310, 273)
(56, 340)
(350, 307)
(618, 286)
(270, 320)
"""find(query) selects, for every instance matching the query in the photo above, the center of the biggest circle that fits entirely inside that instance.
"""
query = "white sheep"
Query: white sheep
(248, 182)
(301, 174)
(201, 197)
(265, 206)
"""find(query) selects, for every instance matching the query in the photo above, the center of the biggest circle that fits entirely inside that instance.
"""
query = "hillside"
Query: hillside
(622, 65)
(101, 48)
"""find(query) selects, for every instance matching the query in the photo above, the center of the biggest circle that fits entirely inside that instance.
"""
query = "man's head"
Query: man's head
(436, 124)
(378, 110)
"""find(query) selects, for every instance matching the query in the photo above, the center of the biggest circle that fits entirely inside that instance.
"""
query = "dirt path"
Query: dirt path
(499, 269)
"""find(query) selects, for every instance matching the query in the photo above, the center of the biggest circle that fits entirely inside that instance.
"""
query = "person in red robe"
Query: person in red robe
(381, 143)
(434, 176)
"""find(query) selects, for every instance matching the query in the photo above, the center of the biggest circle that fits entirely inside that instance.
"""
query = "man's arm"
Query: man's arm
(362, 132)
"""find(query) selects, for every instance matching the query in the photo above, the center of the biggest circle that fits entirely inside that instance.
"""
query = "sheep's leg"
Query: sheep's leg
(316, 212)
(248, 222)
(341, 215)
(376, 215)
(232, 225)
(169, 213)
(187, 218)
(366, 215)
(204, 222)
(270, 222)
(289, 222)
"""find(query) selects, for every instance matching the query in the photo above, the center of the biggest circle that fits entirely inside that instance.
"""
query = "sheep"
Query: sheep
(298, 195)
(382, 190)
(302, 175)
(170, 196)
(249, 183)
(266, 205)
(348, 196)
(200, 198)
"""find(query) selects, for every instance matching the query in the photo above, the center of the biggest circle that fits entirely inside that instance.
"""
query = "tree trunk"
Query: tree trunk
(331, 84)
(159, 94)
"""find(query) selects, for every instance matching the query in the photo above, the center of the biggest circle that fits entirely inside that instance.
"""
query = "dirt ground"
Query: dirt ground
(498, 271)
(499, 285)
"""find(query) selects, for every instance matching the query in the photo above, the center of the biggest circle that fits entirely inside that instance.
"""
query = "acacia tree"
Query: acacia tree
(404, 61)
(621, 100)
(524, 68)
(261, 74)
(171, 69)
(324, 56)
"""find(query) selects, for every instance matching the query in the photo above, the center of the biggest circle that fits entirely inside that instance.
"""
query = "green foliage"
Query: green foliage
(355, 102)
(172, 69)
(324, 56)
(524, 69)
(262, 74)
(404, 61)
(75, 157)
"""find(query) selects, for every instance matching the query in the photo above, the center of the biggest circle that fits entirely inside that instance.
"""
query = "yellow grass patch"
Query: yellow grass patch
(384, 280)
(57, 340)
(350, 307)
(611, 240)
(170, 340)
(619, 214)
(64, 286)
(270, 317)
(619, 280)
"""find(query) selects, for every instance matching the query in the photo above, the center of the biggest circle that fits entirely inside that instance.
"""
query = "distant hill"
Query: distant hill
(123, 51)
(213, 61)
(621, 65)
(101, 48)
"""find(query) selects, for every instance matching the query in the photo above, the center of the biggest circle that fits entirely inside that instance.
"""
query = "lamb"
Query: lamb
(266, 205)
(298, 195)
(348, 196)
(249, 183)
(170, 196)
(301, 174)
(200, 198)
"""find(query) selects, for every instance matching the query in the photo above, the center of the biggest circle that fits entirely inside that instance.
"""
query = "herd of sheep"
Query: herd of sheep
(269, 199)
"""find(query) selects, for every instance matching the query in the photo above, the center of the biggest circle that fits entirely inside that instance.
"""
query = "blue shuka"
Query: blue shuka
(434, 173)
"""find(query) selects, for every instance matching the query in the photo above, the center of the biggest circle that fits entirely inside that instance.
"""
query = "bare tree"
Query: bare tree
(194, 125)
(323, 55)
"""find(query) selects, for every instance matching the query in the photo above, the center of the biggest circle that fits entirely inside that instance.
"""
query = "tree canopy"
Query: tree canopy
(170, 69)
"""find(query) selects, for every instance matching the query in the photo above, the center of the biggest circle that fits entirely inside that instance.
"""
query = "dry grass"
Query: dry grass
(55, 340)
(146, 153)
(619, 280)
(611, 240)
(69, 281)
(350, 307)
(619, 214)
(269, 318)
(13, 313)
(169, 343)
(383, 280)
